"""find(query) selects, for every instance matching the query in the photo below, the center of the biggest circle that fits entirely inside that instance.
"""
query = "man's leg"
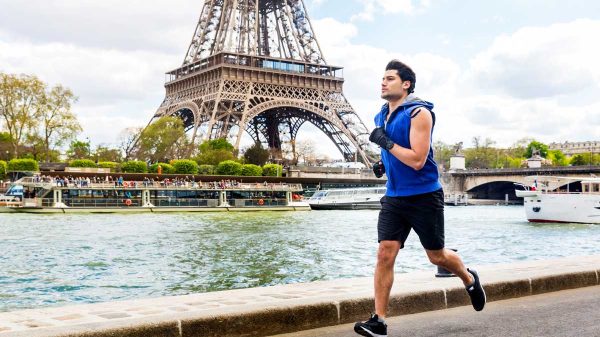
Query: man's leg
(452, 262)
(384, 274)
(449, 260)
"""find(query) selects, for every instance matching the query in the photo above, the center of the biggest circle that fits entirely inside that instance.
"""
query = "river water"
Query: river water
(50, 260)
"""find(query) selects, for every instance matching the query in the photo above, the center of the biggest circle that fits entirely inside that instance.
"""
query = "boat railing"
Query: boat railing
(83, 184)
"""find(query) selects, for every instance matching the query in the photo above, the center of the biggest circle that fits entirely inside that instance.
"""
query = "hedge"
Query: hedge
(3, 169)
(134, 166)
(185, 166)
(206, 169)
(272, 170)
(252, 170)
(229, 168)
(23, 165)
(82, 163)
(109, 164)
(166, 168)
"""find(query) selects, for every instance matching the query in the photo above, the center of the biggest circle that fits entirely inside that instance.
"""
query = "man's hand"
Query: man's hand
(379, 137)
(379, 169)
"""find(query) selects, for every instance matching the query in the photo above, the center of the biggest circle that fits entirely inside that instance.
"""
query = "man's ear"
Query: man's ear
(406, 85)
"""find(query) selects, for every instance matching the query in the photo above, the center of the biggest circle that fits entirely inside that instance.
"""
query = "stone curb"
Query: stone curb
(256, 320)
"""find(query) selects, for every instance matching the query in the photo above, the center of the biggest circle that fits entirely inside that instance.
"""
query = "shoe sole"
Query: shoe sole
(364, 332)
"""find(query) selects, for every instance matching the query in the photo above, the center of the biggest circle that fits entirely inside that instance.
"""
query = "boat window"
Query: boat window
(595, 187)
(586, 188)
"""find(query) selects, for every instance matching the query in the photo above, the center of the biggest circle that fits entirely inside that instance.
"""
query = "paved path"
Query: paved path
(566, 313)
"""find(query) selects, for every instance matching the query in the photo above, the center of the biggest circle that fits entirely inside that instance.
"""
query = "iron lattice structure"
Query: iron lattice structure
(255, 66)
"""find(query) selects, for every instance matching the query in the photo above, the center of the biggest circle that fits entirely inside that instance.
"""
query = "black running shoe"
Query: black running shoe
(476, 292)
(371, 328)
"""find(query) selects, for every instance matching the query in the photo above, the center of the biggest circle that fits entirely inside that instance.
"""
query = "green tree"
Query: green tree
(558, 158)
(134, 166)
(442, 153)
(212, 152)
(185, 166)
(579, 160)
(272, 170)
(256, 154)
(206, 169)
(79, 149)
(105, 153)
(251, 170)
(113, 166)
(23, 165)
(157, 141)
(543, 148)
(58, 124)
(21, 104)
(229, 168)
(482, 155)
(3, 169)
(82, 163)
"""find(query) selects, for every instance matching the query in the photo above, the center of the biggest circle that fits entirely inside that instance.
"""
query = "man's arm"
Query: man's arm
(420, 138)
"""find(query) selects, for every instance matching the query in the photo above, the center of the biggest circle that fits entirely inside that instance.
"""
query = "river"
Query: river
(51, 260)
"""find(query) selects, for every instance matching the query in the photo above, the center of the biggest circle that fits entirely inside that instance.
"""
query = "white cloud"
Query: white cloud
(382, 7)
(560, 59)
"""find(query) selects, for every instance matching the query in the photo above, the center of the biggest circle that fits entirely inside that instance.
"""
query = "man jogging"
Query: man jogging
(414, 197)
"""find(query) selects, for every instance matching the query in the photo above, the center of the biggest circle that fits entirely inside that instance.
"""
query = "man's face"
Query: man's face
(392, 86)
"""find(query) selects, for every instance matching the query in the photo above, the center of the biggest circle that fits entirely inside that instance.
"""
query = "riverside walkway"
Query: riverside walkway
(282, 309)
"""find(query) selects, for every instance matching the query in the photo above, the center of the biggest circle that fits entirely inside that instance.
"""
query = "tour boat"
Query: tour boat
(561, 199)
(56, 196)
(347, 198)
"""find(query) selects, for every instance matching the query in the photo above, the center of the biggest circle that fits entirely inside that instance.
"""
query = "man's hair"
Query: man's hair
(405, 73)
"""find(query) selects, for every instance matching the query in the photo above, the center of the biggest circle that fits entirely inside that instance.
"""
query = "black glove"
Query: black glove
(379, 169)
(379, 137)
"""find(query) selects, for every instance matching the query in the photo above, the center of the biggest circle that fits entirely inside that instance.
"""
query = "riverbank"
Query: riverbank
(286, 308)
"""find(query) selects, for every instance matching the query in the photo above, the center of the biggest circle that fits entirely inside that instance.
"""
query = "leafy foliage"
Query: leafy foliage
(134, 166)
(272, 170)
(3, 169)
(256, 154)
(229, 168)
(543, 148)
(113, 166)
(82, 163)
(185, 166)
(212, 152)
(157, 141)
(79, 150)
(206, 169)
(251, 170)
(23, 165)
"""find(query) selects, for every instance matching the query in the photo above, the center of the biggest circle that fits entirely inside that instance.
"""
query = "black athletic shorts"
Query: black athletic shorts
(423, 212)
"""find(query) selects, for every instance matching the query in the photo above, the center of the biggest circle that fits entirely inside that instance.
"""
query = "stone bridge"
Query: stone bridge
(497, 183)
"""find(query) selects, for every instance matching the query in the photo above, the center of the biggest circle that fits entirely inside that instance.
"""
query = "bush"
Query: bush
(185, 166)
(82, 163)
(229, 168)
(166, 168)
(3, 169)
(251, 170)
(23, 165)
(134, 166)
(206, 169)
(109, 164)
(272, 170)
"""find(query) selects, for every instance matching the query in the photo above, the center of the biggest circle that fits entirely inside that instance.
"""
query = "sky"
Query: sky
(502, 70)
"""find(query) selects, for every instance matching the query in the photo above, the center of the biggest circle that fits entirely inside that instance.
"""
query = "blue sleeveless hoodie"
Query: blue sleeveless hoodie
(403, 180)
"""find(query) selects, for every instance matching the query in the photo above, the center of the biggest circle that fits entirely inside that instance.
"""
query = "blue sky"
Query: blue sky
(504, 69)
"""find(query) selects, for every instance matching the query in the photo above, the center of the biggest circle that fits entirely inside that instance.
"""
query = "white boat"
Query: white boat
(554, 199)
(347, 198)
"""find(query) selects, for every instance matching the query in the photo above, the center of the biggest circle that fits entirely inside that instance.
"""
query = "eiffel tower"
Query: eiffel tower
(255, 66)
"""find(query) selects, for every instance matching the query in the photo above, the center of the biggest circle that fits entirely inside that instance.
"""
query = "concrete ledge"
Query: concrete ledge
(294, 307)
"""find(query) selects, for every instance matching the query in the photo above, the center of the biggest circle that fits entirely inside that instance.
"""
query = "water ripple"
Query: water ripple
(50, 260)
